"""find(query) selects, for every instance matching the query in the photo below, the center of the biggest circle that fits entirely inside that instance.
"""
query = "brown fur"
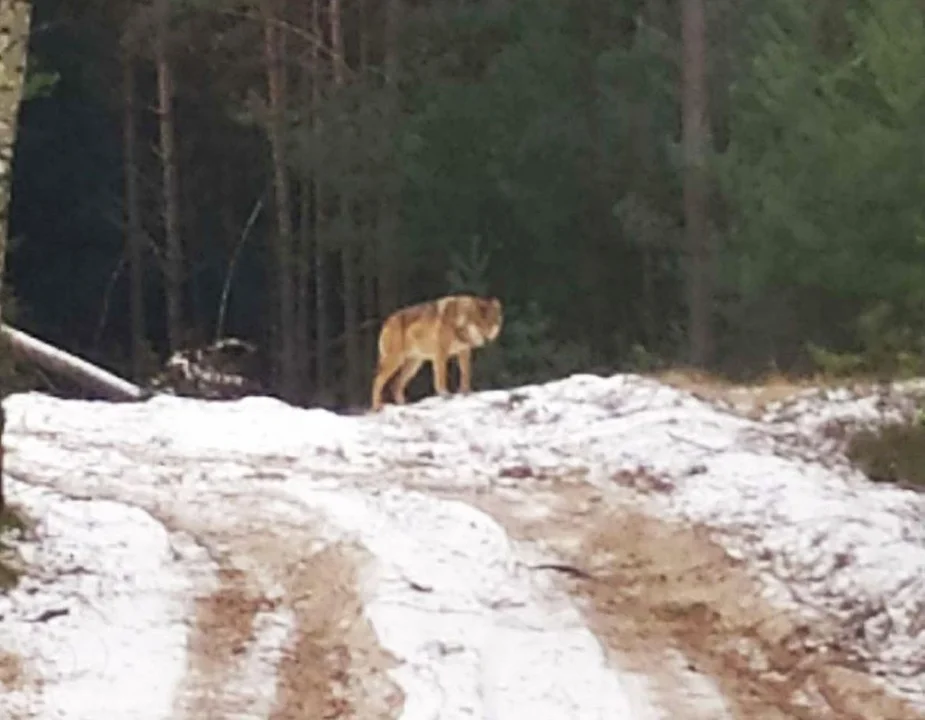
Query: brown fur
(435, 331)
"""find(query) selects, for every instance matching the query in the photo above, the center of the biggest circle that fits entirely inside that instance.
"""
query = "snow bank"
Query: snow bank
(183, 426)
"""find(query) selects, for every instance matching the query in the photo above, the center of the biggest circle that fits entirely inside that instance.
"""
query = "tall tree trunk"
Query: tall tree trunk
(303, 258)
(370, 301)
(133, 237)
(275, 52)
(15, 17)
(387, 222)
(695, 139)
(303, 285)
(349, 278)
(173, 260)
(596, 210)
(368, 214)
(322, 335)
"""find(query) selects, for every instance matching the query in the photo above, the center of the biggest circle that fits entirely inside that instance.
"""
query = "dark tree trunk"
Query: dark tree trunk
(322, 335)
(173, 260)
(389, 290)
(695, 140)
(368, 215)
(275, 52)
(133, 236)
(348, 250)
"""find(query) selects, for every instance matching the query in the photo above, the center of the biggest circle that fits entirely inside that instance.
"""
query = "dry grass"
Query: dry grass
(752, 399)
(771, 388)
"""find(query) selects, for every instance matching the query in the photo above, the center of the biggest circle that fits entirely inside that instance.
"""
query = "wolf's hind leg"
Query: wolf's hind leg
(384, 371)
(408, 371)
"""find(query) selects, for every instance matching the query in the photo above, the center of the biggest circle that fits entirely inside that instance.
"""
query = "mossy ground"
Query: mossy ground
(14, 525)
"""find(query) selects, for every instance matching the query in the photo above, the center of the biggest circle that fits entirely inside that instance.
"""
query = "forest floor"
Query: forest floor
(588, 548)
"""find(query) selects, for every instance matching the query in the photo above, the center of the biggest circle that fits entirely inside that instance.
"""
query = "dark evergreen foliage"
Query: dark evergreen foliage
(525, 148)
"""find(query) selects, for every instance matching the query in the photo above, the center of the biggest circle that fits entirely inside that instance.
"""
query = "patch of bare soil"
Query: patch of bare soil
(334, 668)
(649, 587)
(15, 674)
(12, 670)
(223, 628)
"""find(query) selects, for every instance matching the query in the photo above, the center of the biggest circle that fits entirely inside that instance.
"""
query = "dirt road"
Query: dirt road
(347, 582)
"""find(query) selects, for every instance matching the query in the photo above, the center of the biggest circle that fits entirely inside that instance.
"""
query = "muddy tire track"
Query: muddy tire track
(667, 601)
(278, 630)
(330, 664)
(334, 635)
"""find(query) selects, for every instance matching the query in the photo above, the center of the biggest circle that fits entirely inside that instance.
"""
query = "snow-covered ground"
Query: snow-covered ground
(106, 569)
(140, 506)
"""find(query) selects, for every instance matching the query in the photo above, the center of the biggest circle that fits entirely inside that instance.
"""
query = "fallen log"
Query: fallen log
(78, 370)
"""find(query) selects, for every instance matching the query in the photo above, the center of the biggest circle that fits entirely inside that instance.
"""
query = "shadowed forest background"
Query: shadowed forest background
(735, 185)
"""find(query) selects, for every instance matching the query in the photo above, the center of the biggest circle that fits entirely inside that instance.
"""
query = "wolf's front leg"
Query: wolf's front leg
(465, 371)
(439, 366)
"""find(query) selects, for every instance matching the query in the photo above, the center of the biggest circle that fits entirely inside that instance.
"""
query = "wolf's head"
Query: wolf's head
(491, 317)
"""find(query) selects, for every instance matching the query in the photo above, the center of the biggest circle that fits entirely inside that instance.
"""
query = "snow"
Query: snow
(109, 567)
(487, 639)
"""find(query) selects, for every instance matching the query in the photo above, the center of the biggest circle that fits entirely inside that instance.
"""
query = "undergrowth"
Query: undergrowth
(890, 453)
(14, 526)
(893, 453)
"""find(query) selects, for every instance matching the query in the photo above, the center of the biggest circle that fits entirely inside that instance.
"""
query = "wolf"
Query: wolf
(435, 330)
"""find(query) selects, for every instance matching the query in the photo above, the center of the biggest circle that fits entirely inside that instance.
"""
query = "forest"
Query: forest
(731, 185)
